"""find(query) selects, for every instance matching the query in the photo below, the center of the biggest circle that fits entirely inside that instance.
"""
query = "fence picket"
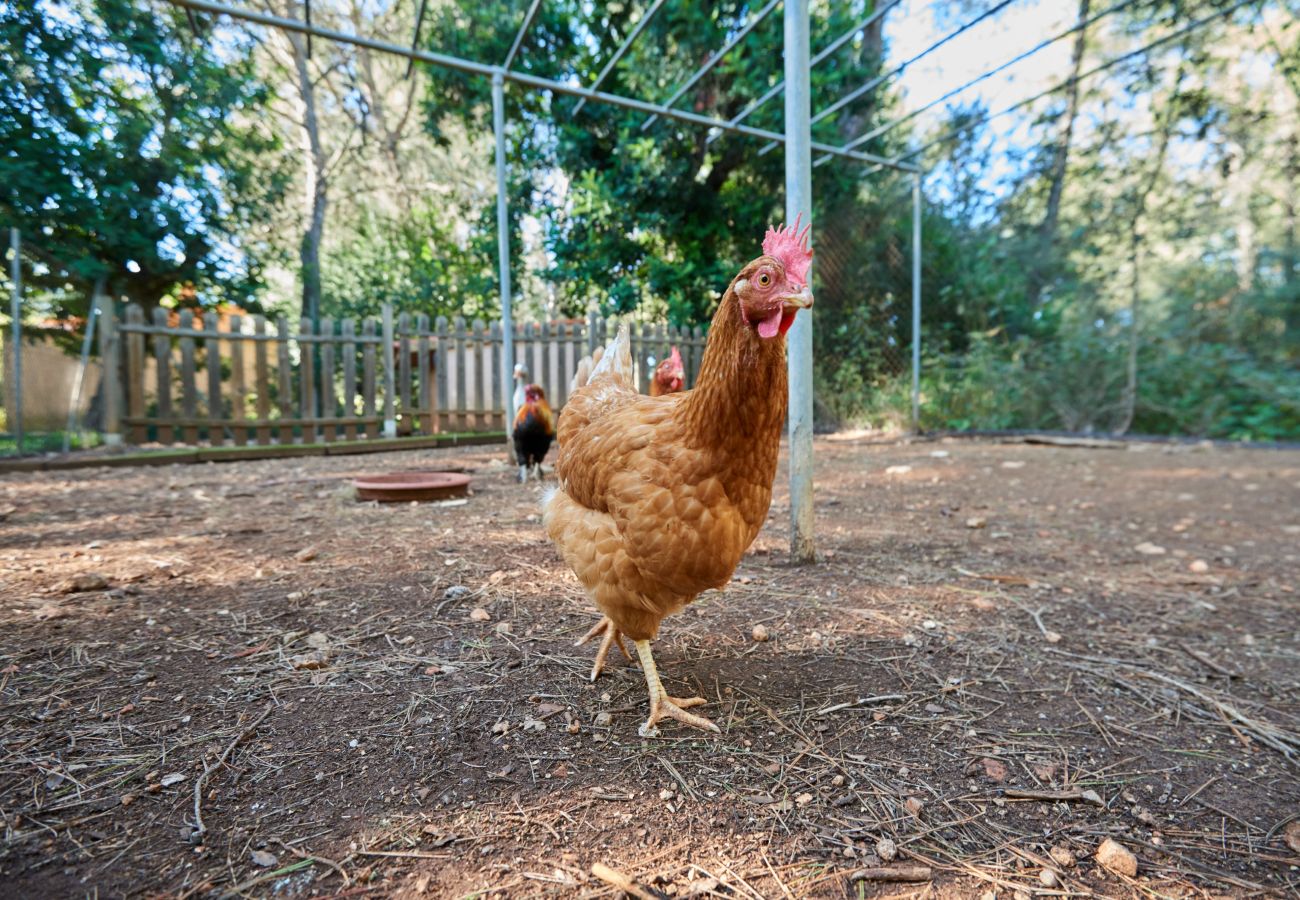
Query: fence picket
(284, 377)
(482, 352)
(499, 395)
(406, 425)
(189, 393)
(422, 420)
(349, 350)
(307, 382)
(328, 396)
(443, 364)
(137, 431)
(212, 354)
(263, 383)
(163, 370)
(368, 379)
(238, 383)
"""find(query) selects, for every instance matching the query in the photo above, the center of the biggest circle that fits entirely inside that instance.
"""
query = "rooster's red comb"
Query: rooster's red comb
(790, 247)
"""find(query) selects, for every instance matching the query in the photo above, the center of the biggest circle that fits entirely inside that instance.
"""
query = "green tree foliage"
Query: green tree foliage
(132, 152)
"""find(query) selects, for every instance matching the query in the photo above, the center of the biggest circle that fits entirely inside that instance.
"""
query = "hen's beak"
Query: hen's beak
(801, 300)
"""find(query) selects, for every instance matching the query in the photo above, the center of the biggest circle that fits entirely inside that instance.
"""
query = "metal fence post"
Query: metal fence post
(503, 248)
(798, 203)
(390, 416)
(15, 313)
(109, 357)
(916, 301)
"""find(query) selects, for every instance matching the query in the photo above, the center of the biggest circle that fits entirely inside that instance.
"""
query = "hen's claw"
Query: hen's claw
(661, 704)
(612, 636)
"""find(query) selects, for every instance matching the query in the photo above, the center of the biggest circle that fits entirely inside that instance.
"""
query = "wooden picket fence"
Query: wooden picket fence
(242, 380)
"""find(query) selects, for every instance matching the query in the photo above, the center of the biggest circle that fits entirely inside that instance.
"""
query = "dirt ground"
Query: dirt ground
(1006, 655)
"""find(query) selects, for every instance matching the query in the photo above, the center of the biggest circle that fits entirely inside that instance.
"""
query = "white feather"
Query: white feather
(617, 359)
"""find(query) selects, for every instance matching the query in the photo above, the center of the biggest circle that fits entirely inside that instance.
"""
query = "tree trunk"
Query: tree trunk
(316, 188)
(1291, 249)
(1060, 161)
(1129, 397)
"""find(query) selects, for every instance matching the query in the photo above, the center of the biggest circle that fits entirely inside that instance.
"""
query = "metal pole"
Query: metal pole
(531, 81)
(503, 246)
(622, 49)
(798, 202)
(523, 30)
(715, 59)
(15, 313)
(916, 302)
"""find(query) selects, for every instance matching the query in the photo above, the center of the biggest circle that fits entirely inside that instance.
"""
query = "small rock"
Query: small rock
(887, 850)
(479, 614)
(1091, 796)
(85, 581)
(1146, 548)
(1199, 566)
(1048, 878)
(128, 799)
(433, 670)
(500, 727)
(263, 858)
(977, 522)
(603, 719)
(306, 554)
(1062, 856)
(898, 470)
(1052, 637)
(803, 799)
(1291, 834)
(531, 724)
(317, 640)
(1117, 858)
(666, 794)
(316, 659)
(934, 708)
(174, 778)
(503, 628)
(914, 806)
(838, 780)
(994, 769)
(760, 633)
(456, 592)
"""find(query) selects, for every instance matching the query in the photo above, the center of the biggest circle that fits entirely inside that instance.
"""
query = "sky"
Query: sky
(914, 25)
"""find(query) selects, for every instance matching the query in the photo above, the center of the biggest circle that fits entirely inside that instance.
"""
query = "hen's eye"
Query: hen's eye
(764, 279)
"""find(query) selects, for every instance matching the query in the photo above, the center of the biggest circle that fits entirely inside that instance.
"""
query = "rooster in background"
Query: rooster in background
(533, 432)
(659, 497)
(669, 377)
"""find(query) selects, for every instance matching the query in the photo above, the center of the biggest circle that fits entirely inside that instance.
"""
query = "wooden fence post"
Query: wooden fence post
(390, 415)
(109, 355)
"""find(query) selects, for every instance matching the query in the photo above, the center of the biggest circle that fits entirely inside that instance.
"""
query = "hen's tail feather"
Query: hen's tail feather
(617, 359)
(614, 360)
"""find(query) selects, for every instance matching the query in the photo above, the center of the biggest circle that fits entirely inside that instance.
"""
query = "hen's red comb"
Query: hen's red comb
(790, 247)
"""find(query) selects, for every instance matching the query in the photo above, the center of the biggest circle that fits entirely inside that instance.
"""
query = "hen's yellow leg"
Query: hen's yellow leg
(612, 636)
(661, 704)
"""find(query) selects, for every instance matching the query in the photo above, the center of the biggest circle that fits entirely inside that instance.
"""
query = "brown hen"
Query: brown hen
(659, 497)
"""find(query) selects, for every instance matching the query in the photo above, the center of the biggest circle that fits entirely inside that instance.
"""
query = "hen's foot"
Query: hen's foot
(612, 636)
(661, 704)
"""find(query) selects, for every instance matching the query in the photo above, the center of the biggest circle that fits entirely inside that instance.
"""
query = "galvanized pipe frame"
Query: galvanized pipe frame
(622, 49)
(488, 71)
(716, 58)
(799, 146)
(821, 55)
